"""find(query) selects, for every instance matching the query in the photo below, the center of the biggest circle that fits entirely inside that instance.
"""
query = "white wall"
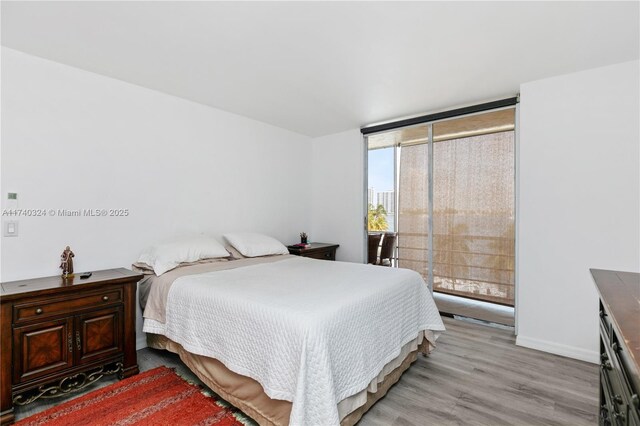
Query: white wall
(72, 139)
(337, 206)
(579, 201)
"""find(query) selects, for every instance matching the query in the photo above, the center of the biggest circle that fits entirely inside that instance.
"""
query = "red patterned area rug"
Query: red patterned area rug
(155, 397)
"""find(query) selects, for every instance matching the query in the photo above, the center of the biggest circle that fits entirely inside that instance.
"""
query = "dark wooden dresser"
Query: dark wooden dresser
(59, 336)
(316, 251)
(619, 346)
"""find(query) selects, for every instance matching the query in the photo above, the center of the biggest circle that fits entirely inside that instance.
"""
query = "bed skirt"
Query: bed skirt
(247, 394)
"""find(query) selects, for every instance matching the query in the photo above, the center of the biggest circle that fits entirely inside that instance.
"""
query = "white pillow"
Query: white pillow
(254, 245)
(165, 256)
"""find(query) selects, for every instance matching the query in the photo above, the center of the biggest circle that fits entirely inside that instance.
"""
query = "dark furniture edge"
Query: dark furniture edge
(598, 276)
(127, 275)
(324, 246)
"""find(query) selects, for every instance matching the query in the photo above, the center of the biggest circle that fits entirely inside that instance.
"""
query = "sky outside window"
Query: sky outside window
(381, 180)
(381, 170)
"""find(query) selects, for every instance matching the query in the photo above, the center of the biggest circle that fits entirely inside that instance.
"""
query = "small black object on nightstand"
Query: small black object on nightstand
(85, 275)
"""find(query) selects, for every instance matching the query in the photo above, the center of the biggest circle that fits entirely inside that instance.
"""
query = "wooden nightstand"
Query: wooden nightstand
(59, 336)
(316, 251)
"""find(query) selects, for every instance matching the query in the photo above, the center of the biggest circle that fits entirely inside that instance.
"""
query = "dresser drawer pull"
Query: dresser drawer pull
(105, 298)
(602, 314)
(635, 401)
(70, 342)
(327, 255)
(38, 311)
(78, 344)
(607, 365)
(617, 399)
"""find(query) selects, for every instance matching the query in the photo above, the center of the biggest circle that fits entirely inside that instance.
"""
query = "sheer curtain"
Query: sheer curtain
(413, 209)
(473, 217)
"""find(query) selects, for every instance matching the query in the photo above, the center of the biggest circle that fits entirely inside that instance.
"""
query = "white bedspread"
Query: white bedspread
(311, 332)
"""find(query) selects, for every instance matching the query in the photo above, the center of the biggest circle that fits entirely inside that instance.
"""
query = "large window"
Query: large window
(454, 181)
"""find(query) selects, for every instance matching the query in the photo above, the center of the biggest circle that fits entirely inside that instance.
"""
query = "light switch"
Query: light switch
(11, 228)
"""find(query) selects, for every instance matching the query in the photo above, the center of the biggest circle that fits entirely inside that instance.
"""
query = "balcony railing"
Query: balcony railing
(473, 266)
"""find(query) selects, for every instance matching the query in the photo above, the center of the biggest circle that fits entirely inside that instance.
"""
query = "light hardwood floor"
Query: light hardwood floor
(476, 376)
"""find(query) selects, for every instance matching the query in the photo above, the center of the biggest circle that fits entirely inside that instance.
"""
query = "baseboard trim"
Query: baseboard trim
(558, 349)
(141, 341)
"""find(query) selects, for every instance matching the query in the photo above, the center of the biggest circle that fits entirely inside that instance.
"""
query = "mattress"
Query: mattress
(310, 332)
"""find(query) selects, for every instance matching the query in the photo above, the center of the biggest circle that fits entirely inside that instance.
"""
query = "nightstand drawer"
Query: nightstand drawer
(43, 309)
(324, 255)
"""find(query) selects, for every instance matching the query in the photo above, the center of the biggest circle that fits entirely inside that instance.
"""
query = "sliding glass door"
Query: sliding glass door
(454, 181)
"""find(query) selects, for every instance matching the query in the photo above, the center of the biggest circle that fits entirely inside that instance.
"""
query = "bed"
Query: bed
(292, 340)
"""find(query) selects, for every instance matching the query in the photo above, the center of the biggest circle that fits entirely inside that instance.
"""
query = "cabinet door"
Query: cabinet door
(42, 348)
(98, 334)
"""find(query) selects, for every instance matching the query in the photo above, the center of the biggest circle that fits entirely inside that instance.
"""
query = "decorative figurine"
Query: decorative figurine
(66, 263)
(303, 238)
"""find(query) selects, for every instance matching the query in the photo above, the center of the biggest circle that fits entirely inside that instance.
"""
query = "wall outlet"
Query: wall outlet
(11, 228)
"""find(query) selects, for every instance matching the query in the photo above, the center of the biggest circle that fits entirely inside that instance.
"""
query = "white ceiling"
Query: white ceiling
(322, 67)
